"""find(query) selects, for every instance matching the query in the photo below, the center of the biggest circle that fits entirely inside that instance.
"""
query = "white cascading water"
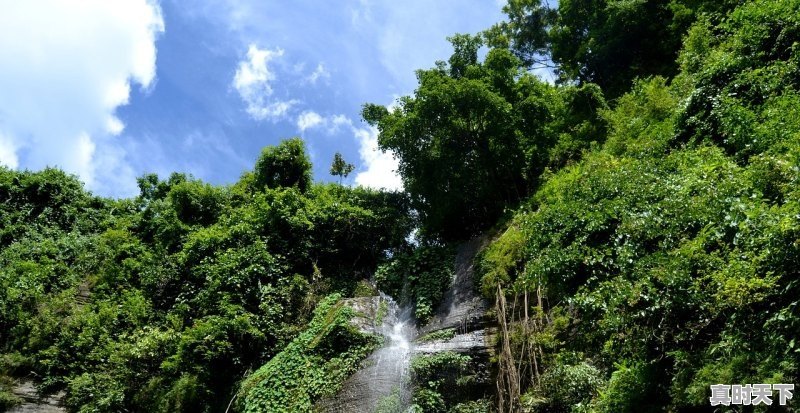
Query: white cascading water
(382, 383)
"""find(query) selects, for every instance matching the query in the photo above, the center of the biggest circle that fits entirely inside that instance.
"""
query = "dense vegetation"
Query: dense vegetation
(644, 216)
(646, 236)
(667, 259)
(164, 302)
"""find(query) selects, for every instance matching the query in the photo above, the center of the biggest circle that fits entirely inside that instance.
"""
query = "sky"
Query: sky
(112, 89)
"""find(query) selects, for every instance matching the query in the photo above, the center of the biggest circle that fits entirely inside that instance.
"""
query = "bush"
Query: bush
(442, 380)
(631, 389)
(565, 389)
(284, 166)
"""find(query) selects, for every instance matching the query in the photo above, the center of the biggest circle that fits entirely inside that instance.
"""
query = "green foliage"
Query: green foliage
(648, 242)
(285, 165)
(662, 255)
(442, 380)
(163, 302)
(98, 392)
(746, 88)
(473, 406)
(313, 365)
(7, 398)
(607, 42)
(459, 157)
(36, 202)
(196, 202)
(419, 277)
(526, 32)
(579, 124)
(365, 289)
(642, 124)
(564, 388)
(503, 258)
(340, 167)
(630, 389)
(427, 368)
(475, 136)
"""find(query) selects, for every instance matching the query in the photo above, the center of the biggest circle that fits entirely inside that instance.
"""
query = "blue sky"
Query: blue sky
(112, 90)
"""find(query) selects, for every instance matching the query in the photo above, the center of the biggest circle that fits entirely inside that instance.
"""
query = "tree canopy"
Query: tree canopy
(475, 136)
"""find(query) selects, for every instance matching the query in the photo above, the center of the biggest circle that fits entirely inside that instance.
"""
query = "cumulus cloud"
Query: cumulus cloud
(308, 119)
(65, 69)
(253, 80)
(379, 168)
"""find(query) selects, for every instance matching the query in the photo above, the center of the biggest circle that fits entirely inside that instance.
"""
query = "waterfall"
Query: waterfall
(382, 384)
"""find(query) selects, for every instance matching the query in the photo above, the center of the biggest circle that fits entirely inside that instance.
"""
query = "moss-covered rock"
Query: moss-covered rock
(312, 366)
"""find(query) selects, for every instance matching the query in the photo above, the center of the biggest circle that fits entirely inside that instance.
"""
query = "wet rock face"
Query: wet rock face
(473, 343)
(460, 320)
(462, 309)
(370, 312)
(462, 325)
(32, 403)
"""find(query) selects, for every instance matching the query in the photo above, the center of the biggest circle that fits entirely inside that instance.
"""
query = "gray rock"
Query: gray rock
(33, 403)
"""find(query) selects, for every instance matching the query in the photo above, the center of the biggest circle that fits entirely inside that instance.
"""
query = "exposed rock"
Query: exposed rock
(462, 310)
(461, 307)
(33, 403)
(473, 343)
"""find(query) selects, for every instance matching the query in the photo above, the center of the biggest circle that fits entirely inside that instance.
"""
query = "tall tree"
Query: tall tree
(471, 140)
(340, 167)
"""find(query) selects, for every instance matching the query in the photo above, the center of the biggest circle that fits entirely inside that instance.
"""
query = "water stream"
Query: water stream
(382, 384)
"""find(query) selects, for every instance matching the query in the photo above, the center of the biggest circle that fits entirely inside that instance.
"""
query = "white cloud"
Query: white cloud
(8, 153)
(339, 120)
(114, 126)
(319, 72)
(64, 69)
(253, 80)
(313, 120)
(272, 110)
(308, 119)
(380, 168)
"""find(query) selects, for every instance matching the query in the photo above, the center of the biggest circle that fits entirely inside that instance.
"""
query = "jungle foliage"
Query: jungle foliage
(164, 302)
(644, 214)
(666, 259)
(312, 366)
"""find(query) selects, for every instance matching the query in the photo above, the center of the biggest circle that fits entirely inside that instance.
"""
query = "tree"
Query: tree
(526, 32)
(285, 165)
(470, 141)
(608, 42)
(340, 167)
